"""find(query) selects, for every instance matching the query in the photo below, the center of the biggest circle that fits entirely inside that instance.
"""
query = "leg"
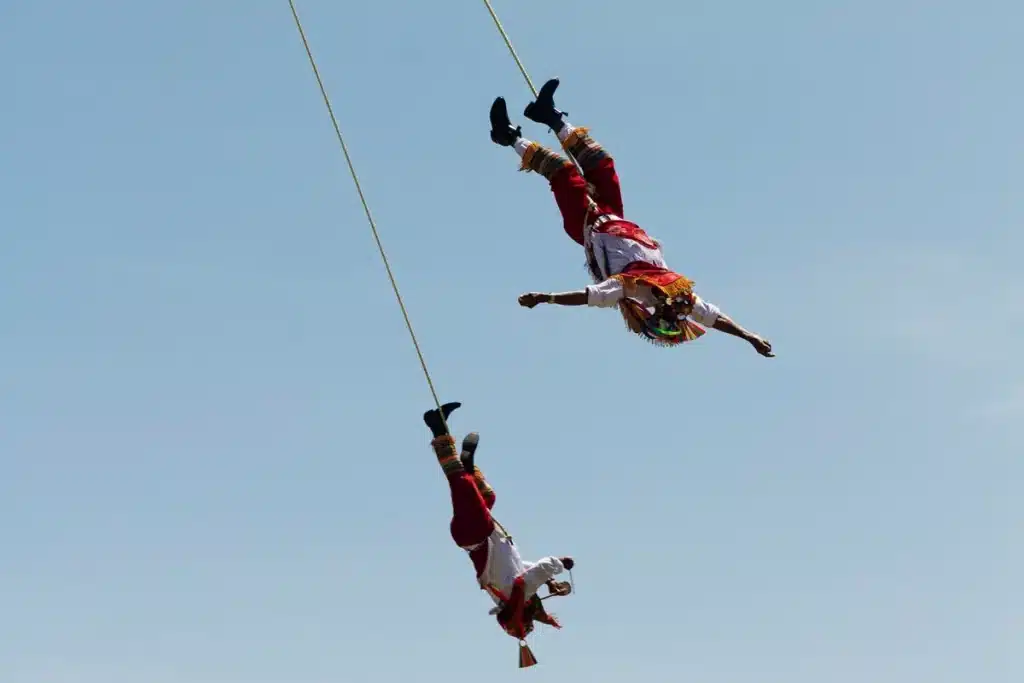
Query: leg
(471, 523)
(469, 446)
(598, 166)
(569, 188)
(486, 492)
(471, 518)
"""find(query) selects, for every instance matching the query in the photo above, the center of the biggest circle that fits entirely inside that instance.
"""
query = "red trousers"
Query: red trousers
(570, 190)
(471, 523)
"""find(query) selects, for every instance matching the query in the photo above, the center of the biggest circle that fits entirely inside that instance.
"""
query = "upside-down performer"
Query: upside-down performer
(511, 583)
(626, 264)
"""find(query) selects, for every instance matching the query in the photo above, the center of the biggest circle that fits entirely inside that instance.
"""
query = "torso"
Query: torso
(613, 243)
(503, 564)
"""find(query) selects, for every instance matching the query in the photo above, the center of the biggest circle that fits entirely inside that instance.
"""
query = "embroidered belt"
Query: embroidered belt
(605, 218)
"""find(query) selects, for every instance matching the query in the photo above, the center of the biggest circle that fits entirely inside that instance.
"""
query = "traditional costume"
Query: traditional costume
(626, 264)
(511, 582)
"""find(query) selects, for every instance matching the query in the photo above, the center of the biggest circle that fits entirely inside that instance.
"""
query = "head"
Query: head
(666, 325)
(532, 612)
(670, 314)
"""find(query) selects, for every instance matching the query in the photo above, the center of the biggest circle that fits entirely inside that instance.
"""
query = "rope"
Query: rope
(511, 49)
(519, 63)
(529, 82)
(366, 208)
(373, 225)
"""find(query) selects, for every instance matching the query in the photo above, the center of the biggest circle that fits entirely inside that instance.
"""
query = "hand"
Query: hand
(532, 299)
(559, 588)
(762, 346)
(568, 563)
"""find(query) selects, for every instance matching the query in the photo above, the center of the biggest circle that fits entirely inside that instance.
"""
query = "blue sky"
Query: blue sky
(214, 469)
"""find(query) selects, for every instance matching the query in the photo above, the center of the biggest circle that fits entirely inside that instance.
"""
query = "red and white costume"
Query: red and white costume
(500, 570)
(625, 262)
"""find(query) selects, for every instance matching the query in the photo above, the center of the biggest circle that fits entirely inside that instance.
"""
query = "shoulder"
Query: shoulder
(605, 293)
(704, 312)
(612, 284)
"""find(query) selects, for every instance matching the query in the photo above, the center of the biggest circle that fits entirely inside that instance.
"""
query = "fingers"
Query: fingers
(529, 300)
(763, 347)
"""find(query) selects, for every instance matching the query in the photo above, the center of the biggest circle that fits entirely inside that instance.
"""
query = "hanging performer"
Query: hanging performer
(626, 264)
(511, 583)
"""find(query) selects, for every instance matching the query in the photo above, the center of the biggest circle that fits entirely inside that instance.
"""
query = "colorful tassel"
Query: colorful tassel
(526, 658)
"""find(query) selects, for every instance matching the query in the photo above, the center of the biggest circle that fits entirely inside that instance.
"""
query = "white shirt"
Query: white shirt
(504, 566)
(614, 253)
(610, 292)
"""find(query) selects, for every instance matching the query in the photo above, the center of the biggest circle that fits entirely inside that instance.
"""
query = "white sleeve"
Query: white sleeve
(540, 573)
(606, 294)
(704, 312)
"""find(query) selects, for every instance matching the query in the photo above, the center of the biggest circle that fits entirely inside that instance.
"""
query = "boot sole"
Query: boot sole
(469, 445)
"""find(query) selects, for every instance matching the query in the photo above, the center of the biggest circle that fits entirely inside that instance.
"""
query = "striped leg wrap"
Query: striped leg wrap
(481, 484)
(585, 148)
(444, 448)
(543, 161)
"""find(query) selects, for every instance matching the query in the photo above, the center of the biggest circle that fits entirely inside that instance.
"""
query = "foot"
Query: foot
(469, 445)
(434, 420)
(542, 110)
(502, 132)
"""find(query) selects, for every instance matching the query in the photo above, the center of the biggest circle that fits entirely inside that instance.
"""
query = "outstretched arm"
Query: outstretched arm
(709, 315)
(604, 295)
(577, 298)
(726, 324)
(562, 588)
(542, 572)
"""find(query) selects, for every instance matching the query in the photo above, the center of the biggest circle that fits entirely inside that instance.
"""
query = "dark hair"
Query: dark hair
(507, 614)
(533, 611)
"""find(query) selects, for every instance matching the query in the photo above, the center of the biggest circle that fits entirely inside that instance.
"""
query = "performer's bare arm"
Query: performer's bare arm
(577, 298)
(728, 326)
(723, 323)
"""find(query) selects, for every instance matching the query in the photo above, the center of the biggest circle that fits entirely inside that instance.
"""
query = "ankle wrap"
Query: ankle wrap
(543, 161)
(586, 150)
(447, 457)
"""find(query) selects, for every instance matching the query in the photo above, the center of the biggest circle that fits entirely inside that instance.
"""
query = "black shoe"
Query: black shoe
(542, 110)
(434, 421)
(502, 132)
(469, 445)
